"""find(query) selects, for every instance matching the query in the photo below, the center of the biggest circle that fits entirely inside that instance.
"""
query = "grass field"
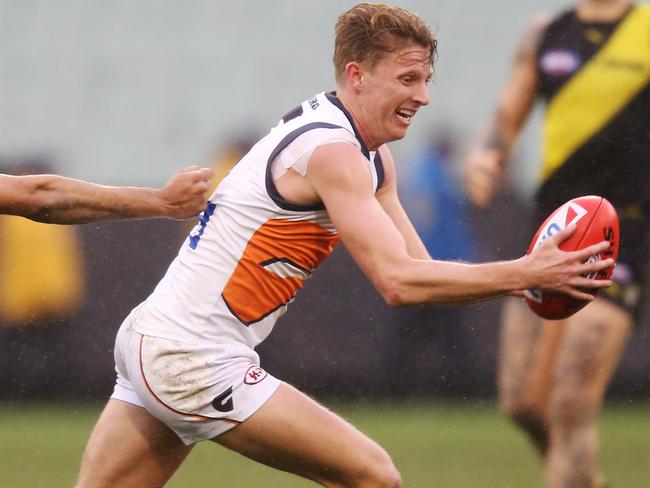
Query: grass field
(434, 445)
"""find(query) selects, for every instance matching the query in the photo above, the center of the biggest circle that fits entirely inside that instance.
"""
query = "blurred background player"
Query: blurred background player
(185, 358)
(591, 66)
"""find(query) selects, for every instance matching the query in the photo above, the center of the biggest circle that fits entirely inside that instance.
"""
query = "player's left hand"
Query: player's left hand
(480, 174)
(184, 195)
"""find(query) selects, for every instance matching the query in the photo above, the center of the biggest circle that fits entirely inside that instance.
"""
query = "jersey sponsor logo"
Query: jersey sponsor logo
(559, 62)
(277, 260)
(254, 375)
(223, 401)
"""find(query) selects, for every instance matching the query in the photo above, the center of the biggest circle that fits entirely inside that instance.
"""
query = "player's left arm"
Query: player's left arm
(484, 163)
(389, 200)
(61, 200)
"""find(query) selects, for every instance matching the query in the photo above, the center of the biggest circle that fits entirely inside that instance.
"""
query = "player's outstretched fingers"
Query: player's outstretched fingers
(579, 294)
(193, 167)
(594, 249)
(562, 235)
(590, 267)
(584, 282)
(204, 174)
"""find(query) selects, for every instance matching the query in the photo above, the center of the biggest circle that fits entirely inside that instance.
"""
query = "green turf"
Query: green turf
(450, 445)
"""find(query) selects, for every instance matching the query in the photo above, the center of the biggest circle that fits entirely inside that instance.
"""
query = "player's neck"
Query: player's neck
(602, 10)
(351, 105)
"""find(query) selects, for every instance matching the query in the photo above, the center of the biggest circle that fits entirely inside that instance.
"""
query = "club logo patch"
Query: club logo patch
(254, 375)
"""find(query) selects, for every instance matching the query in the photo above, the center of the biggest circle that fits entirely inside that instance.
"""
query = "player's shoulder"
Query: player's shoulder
(538, 24)
(548, 21)
(338, 152)
(338, 161)
(542, 21)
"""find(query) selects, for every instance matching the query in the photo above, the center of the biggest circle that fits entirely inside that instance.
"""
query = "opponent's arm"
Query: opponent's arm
(486, 157)
(389, 200)
(56, 199)
(341, 178)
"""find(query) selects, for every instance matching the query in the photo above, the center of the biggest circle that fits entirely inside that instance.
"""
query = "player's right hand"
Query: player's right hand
(185, 194)
(567, 272)
(480, 174)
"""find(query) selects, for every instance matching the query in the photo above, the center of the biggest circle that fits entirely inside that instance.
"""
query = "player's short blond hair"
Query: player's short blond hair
(369, 31)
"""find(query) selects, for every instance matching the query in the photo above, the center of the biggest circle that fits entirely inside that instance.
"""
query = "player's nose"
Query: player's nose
(421, 94)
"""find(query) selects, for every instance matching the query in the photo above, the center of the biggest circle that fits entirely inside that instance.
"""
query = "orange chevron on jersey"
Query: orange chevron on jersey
(277, 260)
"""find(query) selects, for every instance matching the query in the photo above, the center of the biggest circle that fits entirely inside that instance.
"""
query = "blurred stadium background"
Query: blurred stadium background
(126, 92)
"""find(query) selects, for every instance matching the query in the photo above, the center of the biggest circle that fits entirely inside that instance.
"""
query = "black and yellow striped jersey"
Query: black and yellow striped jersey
(595, 79)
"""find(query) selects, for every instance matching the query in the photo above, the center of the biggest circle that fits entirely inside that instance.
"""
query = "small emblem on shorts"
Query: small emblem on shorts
(254, 375)
(223, 401)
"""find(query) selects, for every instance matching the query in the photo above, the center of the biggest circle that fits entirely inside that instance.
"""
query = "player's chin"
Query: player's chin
(398, 132)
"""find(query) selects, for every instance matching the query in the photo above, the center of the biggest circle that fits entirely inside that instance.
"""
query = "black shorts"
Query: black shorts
(627, 289)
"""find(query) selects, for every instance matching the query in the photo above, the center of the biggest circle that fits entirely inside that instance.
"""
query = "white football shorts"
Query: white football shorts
(198, 391)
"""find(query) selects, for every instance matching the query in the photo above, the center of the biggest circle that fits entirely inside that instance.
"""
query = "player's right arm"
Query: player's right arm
(485, 159)
(340, 176)
(56, 199)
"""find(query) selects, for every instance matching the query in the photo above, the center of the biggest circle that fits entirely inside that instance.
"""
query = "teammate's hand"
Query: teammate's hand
(184, 195)
(480, 173)
(567, 272)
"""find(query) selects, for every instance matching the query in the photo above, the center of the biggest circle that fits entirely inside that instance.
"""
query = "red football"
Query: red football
(596, 220)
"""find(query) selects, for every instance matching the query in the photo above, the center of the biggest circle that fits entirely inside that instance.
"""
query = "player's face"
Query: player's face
(392, 93)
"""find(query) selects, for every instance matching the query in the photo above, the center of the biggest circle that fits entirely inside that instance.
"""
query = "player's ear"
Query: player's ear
(354, 74)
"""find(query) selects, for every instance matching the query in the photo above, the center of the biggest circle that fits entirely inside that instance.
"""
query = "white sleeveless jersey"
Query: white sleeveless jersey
(252, 250)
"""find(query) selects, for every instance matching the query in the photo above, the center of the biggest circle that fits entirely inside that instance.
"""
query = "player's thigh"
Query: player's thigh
(130, 448)
(528, 347)
(294, 433)
(594, 341)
